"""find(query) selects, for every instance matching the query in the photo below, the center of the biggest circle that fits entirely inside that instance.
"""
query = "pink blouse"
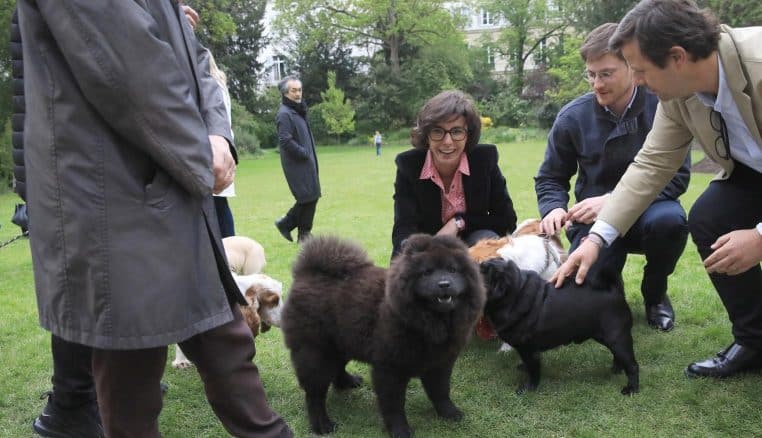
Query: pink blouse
(454, 199)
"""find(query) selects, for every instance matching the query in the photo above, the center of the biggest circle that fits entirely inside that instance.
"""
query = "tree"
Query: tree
(336, 111)
(567, 73)
(737, 13)
(312, 57)
(232, 31)
(389, 24)
(587, 15)
(530, 25)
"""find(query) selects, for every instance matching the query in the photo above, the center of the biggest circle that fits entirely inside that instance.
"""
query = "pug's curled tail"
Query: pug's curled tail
(330, 256)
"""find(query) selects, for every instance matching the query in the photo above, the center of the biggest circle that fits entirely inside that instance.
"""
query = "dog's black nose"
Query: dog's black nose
(444, 284)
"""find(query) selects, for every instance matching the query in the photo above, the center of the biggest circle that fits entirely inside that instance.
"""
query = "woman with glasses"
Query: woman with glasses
(448, 183)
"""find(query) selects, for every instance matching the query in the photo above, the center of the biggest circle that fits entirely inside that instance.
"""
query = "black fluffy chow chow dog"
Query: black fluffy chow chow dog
(533, 316)
(411, 320)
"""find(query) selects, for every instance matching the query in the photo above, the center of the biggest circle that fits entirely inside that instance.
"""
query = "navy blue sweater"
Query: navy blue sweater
(591, 142)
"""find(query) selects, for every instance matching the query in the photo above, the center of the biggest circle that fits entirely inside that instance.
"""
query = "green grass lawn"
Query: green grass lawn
(578, 396)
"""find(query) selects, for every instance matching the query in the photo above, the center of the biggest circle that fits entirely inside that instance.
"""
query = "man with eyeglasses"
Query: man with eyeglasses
(708, 80)
(597, 136)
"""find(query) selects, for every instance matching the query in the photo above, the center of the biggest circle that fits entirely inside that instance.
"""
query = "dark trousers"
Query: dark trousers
(300, 216)
(660, 233)
(224, 216)
(72, 380)
(129, 396)
(725, 206)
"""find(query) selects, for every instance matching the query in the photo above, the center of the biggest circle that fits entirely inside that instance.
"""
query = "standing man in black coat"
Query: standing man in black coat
(298, 158)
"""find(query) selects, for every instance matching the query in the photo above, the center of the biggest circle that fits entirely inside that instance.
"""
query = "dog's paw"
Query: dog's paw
(181, 364)
(505, 348)
(526, 387)
(324, 426)
(402, 432)
(347, 381)
(629, 390)
(449, 411)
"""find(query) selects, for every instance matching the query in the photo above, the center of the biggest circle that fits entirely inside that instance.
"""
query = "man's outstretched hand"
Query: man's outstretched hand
(580, 261)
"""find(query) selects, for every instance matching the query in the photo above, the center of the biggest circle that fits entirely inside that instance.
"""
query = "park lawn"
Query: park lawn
(578, 396)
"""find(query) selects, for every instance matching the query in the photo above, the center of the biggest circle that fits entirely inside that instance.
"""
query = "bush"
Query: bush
(506, 109)
(245, 130)
(546, 115)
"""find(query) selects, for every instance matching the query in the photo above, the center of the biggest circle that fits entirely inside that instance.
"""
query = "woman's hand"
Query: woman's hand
(449, 229)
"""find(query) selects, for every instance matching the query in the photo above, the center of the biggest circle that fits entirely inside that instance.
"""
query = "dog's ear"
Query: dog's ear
(416, 243)
(495, 273)
(268, 298)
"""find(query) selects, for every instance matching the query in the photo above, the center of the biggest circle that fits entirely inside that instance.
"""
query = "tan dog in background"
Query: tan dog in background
(246, 259)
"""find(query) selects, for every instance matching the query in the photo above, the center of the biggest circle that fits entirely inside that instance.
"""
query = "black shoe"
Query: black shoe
(285, 231)
(660, 315)
(57, 422)
(732, 360)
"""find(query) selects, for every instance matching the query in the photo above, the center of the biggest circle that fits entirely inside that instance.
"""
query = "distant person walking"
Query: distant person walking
(299, 160)
(377, 139)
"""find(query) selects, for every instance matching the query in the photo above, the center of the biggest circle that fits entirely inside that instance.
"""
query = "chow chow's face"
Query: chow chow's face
(435, 272)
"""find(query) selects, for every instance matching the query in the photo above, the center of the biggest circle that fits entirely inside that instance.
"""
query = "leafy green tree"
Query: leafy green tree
(587, 15)
(389, 24)
(567, 73)
(737, 13)
(336, 111)
(530, 26)
(312, 57)
(232, 31)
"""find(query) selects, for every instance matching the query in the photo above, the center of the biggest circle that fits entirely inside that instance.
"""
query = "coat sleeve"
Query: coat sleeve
(679, 184)
(501, 217)
(212, 96)
(405, 208)
(655, 164)
(288, 143)
(552, 182)
(117, 53)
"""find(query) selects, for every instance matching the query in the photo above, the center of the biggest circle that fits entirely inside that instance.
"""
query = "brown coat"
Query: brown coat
(124, 239)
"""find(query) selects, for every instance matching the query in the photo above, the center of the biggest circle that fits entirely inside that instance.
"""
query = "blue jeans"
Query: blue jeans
(660, 233)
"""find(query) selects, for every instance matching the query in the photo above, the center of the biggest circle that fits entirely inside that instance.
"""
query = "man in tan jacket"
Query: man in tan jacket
(709, 82)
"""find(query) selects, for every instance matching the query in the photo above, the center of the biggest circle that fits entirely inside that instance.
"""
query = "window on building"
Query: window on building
(486, 18)
(491, 56)
(277, 68)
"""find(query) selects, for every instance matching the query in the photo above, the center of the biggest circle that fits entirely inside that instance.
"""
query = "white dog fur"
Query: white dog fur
(246, 259)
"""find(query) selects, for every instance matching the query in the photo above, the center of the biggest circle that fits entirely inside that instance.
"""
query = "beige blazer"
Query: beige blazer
(678, 121)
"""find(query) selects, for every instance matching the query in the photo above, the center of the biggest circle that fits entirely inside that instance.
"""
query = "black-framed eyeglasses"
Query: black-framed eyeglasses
(722, 142)
(457, 133)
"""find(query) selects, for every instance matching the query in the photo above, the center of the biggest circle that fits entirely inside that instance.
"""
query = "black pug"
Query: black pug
(533, 316)
(410, 321)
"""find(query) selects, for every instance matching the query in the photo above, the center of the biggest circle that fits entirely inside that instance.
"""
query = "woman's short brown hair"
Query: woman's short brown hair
(442, 108)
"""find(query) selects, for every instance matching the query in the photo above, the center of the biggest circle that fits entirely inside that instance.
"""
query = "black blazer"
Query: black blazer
(418, 205)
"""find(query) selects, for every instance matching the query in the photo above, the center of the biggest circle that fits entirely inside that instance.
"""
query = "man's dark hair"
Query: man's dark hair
(597, 43)
(283, 84)
(658, 25)
(442, 108)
